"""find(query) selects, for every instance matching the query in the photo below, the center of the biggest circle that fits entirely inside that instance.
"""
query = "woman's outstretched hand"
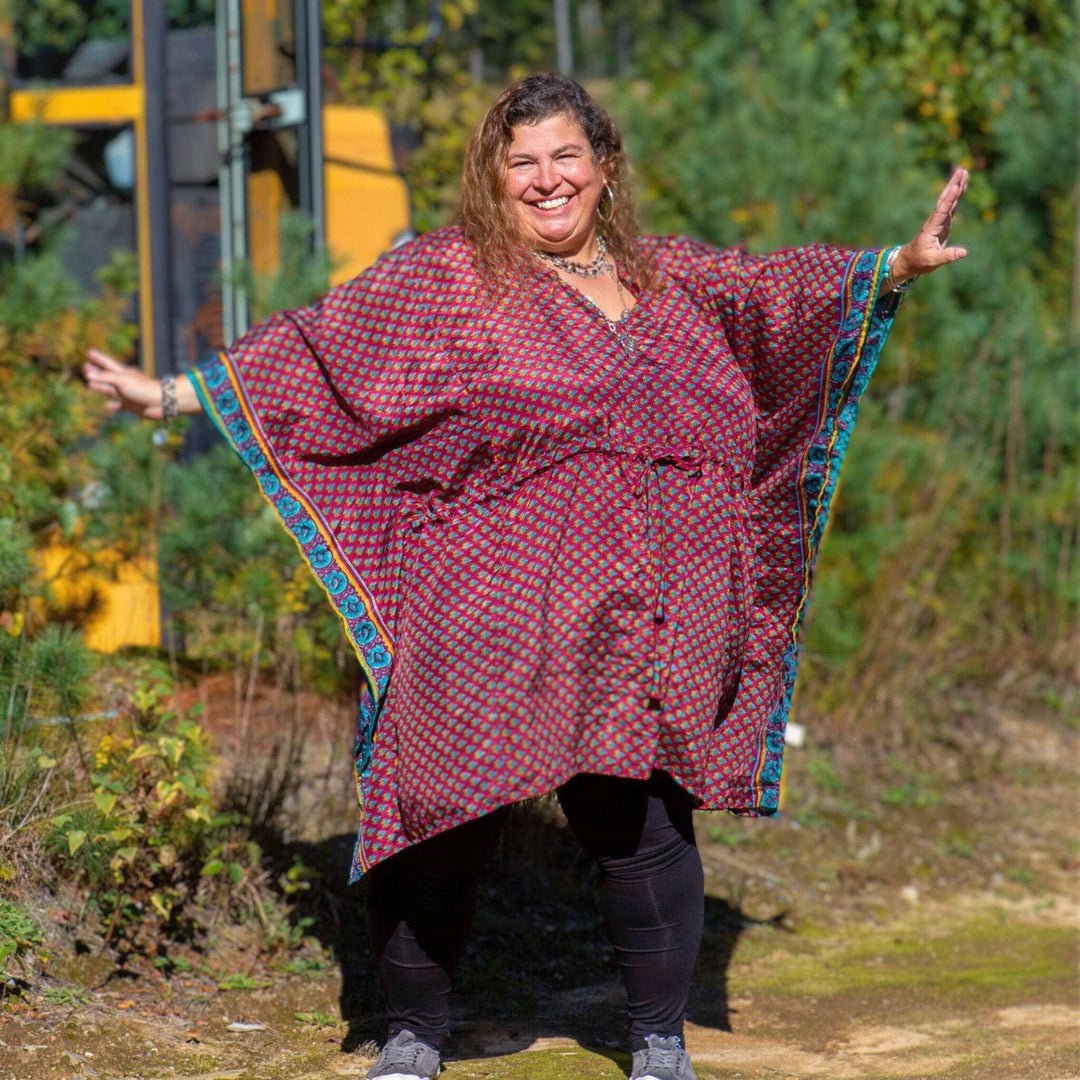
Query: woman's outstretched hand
(128, 388)
(930, 249)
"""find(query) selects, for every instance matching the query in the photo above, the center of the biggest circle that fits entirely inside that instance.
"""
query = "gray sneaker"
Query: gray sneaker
(662, 1059)
(404, 1057)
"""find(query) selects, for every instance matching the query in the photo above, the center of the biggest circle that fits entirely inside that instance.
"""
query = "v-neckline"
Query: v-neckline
(594, 308)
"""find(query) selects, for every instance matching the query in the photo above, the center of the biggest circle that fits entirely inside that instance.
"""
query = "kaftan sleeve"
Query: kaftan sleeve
(329, 405)
(806, 327)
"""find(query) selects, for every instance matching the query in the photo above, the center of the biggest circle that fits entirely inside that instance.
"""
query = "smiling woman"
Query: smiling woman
(565, 486)
(555, 183)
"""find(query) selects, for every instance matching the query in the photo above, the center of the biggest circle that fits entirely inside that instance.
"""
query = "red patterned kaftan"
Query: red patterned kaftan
(557, 549)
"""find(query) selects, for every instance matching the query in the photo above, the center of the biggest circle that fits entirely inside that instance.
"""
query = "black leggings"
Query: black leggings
(640, 834)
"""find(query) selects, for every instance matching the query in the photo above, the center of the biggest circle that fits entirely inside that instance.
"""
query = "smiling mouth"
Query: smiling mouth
(553, 204)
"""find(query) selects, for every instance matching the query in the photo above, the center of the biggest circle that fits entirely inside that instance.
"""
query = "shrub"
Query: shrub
(148, 839)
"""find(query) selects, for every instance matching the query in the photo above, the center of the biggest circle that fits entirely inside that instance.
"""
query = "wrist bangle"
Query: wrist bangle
(899, 287)
(170, 406)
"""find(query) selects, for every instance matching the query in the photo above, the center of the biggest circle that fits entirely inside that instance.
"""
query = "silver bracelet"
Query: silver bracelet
(898, 287)
(170, 405)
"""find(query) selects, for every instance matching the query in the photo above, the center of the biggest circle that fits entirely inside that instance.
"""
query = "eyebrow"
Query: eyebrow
(520, 155)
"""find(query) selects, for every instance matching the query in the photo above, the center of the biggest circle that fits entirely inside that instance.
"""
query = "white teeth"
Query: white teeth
(552, 204)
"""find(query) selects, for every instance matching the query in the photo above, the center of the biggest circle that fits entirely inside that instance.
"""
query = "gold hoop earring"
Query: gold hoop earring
(611, 208)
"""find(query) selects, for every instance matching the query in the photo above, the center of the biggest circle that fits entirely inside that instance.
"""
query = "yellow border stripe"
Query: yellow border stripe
(301, 497)
(78, 105)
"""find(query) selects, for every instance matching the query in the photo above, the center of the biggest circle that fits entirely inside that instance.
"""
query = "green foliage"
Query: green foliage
(60, 664)
(300, 278)
(44, 683)
(15, 565)
(45, 327)
(954, 535)
(956, 67)
(20, 936)
(65, 996)
(31, 155)
(61, 25)
(149, 838)
(239, 981)
(316, 1019)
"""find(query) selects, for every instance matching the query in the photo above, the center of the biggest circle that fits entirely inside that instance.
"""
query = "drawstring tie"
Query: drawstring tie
(646, 485)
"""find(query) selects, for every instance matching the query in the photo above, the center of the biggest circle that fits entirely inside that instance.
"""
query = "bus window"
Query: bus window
(84, 43)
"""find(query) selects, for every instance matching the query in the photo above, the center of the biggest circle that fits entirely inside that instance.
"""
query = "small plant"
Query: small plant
(316, 1019)
(20, 936)
(65, 996)
(959, 846)
(237, 981)
(298, 877)
(303, 965)
(171, 965)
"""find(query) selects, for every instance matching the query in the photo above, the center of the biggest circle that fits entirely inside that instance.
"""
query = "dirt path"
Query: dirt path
(979, 988)
(918, 923)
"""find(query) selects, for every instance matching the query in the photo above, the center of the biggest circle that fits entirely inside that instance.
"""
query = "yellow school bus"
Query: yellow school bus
(195, 129)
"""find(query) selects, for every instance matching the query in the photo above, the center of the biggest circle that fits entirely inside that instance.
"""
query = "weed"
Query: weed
(299, 877)
(958, 846)
(65, 996)
(170, 965)
(1023, 876)
(914, 795)
(304, 965)
(237, 981)
(731, 836)
(19, 935)
(316, 1019)
(809, 817)
(823, 773)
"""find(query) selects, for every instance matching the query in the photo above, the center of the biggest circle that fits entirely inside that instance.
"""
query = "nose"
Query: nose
(547, 176)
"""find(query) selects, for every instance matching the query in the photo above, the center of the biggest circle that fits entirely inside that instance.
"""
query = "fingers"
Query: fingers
(953, 192)
(104, 381)
(104, 360)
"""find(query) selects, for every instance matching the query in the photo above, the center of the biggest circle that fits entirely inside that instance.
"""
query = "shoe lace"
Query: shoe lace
(405, 1055)
(402, 1057)
(662, 1054)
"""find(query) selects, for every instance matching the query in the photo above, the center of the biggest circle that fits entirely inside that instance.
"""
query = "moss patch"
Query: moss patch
(991, 956)
(571, 1063)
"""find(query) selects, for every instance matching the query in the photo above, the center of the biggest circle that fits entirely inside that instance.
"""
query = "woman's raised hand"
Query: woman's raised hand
(128, 388)
(125, 387)
(930, 249)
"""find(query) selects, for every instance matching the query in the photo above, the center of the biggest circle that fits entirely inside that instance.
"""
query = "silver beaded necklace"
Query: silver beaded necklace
(592, 269)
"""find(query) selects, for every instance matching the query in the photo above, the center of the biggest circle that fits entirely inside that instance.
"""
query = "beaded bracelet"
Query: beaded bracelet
(170, 406)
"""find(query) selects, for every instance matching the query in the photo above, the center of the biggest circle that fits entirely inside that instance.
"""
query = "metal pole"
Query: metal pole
(564, 50)
(155, 25)
(232, 173)
(309, 79)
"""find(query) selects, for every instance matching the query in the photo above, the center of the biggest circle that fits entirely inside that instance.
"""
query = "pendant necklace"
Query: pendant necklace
(618, 330)
(594, 268)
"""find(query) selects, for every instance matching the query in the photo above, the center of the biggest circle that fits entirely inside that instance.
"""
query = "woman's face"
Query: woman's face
(554, 183)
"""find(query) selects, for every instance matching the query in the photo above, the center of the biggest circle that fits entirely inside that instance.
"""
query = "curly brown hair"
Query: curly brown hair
(487, 215)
